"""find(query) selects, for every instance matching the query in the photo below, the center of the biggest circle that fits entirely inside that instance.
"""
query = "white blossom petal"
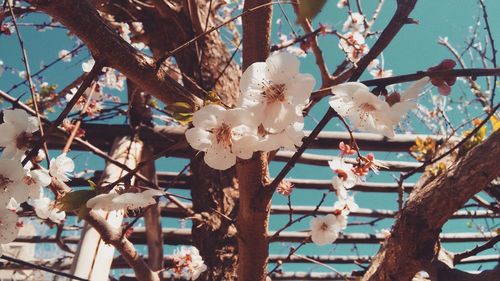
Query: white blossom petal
(199, 139)
(8, 226)
(219, 157)
(281, 67)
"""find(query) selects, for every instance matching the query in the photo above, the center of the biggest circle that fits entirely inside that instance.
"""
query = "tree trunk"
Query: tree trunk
(413, 241)
(253, 214)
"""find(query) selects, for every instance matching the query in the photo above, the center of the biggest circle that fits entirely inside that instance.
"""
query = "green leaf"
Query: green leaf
(181, 111)
(179, 107)
(310, 8)
(75, 200)
(183, 118)
(82, 212)
(92, 184)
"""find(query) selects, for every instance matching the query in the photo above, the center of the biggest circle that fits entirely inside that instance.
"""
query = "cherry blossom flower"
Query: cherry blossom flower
(366, 112)
(61, 167)
(88, 65)
(45, 209)
(353, 44)
(11, 182)
(95, 104)
(65, 55)
(402, 103)
(35, 180)
(354, 22)
(127, 201)
(133, 201)
(113, 79)
(9, 227)
(290, 139)
(223, 135)
(345, 178)
(275, 91)
(325, 230)
(188, 263)
(17, 131)
(346, 204)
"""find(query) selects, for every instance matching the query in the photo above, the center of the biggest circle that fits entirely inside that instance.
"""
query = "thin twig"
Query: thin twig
(34, 95)
(459, 144)
(41, 267)
(478, 249)
(493, 49)
(76, 127)
(382, 82)
(293, 250)
(45, 67)
(96, 70)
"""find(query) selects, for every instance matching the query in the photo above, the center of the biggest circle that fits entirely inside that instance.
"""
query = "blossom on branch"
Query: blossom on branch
(223, 134)
(61, 167)
(325, 230)
(275, 91)
(126, 201)
(402, 103)
(188, 263)
(366, 111)
(354, 22)
(35, 180)
(353, 44)
(11, 182)
(345, 178)
(45, 209)
(17, 132)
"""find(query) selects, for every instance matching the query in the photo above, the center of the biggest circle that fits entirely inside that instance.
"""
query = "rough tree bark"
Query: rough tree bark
(413, 241)
(253, 214)
(212, 191)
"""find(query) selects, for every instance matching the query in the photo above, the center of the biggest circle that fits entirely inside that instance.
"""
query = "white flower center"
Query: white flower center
(223, 134)
(367, 107)
(274, 93)
(324, 227)
(4, 182)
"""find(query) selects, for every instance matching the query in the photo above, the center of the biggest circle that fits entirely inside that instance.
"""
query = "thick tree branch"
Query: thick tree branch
(414, 236)
(105, 44)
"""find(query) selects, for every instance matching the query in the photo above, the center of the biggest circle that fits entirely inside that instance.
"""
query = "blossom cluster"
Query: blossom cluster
(20, 184)
(268, 115)
(326, 229)
(188, 263)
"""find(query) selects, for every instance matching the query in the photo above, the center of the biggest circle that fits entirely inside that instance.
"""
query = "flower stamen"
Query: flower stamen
(4, 182)
(223, 134)
(274, 93)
